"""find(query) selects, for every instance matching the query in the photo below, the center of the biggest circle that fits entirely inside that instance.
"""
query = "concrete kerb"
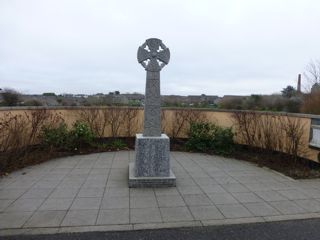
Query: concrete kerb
(144, 226)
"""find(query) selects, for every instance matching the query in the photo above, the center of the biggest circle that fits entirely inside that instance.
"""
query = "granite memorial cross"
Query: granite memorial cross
(153, 60)
(152, 163)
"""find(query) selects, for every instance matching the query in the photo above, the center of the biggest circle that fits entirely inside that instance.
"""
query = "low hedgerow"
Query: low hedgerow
(208, 137)
(61, 138)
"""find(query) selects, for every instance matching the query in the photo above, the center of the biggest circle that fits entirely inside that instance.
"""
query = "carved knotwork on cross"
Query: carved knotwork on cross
(153, 55)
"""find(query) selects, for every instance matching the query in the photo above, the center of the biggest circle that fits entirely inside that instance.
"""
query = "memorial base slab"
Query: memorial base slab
(152, 182)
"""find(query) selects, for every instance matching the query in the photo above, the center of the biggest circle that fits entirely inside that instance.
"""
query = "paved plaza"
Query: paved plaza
(90, 193)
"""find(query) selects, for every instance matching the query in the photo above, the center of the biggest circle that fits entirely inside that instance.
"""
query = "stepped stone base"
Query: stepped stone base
(141, 182)
(152, 163)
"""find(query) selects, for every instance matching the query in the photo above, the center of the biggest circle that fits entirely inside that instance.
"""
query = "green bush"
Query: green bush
(55, 137)
(63, 139)
(208, 137)
(81, 135)
(118, 144)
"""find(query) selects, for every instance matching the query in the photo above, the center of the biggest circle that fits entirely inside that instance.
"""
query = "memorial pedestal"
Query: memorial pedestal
(152, 163)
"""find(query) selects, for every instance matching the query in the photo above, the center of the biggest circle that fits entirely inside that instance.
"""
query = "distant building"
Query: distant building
(299, 84)
(189, 100)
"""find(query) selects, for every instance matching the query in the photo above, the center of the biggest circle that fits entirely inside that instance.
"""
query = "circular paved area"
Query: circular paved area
(90, 193)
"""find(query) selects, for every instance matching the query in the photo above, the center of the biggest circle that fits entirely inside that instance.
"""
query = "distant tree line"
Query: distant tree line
(289, 100)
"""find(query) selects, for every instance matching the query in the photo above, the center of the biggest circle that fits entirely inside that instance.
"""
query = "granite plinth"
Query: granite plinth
(152, 182)
(152, 163)
(152, 156)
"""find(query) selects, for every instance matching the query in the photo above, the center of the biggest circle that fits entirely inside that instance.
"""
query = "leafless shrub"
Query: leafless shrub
(269, 137)
(270, 132)
(165, 128)
(95, 118)
(180, 120)
(246, 123)
(37, 119)
(131, 120)
(293, 131)
(13, 133)
(20, 131)
(115, 120)
(23, 129)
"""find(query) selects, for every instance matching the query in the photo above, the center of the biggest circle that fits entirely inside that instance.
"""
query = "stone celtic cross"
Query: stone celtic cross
(151, 167)
(153, 55)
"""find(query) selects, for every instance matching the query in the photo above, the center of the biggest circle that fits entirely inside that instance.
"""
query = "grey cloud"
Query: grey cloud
(218, 47)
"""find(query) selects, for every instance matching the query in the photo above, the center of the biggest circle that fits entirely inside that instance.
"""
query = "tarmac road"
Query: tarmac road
(291, 230)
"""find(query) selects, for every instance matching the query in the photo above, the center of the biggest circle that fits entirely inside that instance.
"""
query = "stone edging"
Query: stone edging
(145, 226)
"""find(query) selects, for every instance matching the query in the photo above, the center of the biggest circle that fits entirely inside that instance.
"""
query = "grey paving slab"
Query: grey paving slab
(225, 180)
(170, 201)
(113, 216)
(204, 181)
(174, 214)
(99, 171)
(213, 189)
(117, 192)
(143, 202)
(22, 184)
(310, 205)
(145, 215)
(47, 184)
(197, 200)
(56, 204)
(222, 198)
(186, 182)
(234, 211)
(46, 219)
(256, 186)
(311, 192)
(14, 219)
(166, 191)
(270, 196)
(278, 185)
(117, 183)
(64, 192)
(141, 192)
(86, 203)
(70, 184)
(206, 212)
(99, 183)
(37, 193)
(235, 188)
(287, 207)
(80, 218)
(247, 197)
(5, 203)
(261, 209)
(80, 171)
(115, 202)
(293, 194)
(25, 205)
(189, 189)
(91, 192)
(11, 193)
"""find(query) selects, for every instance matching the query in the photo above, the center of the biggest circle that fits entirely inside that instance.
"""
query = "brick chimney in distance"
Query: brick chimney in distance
(299, 84)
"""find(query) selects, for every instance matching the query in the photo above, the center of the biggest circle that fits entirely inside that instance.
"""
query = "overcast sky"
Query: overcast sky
(217, 47)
